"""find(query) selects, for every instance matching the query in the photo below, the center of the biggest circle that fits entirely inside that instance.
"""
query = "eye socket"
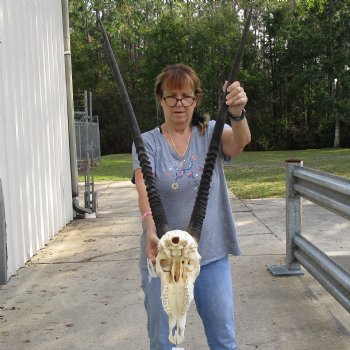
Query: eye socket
(166, 264)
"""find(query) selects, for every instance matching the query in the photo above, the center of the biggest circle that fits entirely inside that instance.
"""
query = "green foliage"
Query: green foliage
(295, 68)
(215, 38)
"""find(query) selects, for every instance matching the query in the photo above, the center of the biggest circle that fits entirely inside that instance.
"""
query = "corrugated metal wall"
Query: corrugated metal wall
(34, 143)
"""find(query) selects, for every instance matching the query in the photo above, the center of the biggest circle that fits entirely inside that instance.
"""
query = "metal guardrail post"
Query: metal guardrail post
(3, 240)
(332, 193)
(293, 225)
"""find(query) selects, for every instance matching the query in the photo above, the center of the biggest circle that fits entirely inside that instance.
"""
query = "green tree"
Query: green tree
(295, 67)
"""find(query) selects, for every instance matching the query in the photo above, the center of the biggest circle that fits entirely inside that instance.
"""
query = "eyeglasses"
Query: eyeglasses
(185, 101)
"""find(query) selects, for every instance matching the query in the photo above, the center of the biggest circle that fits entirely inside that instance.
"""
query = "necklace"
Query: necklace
(181, 156)
(175, 185)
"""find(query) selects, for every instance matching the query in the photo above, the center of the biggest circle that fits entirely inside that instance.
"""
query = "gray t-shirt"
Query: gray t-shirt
(178, 180)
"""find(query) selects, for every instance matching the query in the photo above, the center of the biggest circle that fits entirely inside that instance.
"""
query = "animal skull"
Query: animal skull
(177, 264)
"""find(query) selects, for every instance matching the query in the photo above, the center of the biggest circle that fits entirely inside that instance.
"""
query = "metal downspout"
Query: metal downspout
(3, 240)
(70, 111)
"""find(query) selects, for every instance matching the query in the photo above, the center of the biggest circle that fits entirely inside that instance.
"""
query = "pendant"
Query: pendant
(175, 186)
(181, 163)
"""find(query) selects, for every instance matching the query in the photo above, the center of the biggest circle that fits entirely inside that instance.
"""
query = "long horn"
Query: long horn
(158, 212)
(200, 206)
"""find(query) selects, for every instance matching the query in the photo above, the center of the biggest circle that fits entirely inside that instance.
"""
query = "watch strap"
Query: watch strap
(237, 119)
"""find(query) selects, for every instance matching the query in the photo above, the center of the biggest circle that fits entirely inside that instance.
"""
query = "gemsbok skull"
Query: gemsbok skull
(178, 260)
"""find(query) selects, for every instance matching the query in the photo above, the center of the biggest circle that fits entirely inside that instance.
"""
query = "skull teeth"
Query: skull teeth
(165, 299)
(188, 298)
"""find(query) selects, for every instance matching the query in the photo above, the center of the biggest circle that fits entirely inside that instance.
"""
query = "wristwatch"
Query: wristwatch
(237, 119)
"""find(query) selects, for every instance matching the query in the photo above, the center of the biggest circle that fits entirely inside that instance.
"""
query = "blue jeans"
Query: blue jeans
(214, 300)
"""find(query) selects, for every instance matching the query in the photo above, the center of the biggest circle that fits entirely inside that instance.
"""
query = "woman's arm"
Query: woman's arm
(235, 139)
(152, 239)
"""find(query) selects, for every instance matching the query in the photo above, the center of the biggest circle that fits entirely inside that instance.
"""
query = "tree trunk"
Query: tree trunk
(337, 133)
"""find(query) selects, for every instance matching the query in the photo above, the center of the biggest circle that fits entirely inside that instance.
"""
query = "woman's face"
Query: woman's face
(178, 112)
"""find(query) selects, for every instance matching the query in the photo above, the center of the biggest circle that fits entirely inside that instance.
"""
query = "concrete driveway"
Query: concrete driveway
(82, 291)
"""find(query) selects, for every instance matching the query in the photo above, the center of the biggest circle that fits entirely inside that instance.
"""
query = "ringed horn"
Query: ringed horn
(199, 209)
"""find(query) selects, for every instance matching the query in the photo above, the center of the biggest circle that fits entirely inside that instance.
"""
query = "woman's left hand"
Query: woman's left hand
(236, 98)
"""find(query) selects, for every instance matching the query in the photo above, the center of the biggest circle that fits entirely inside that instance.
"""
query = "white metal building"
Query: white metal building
(35, 169)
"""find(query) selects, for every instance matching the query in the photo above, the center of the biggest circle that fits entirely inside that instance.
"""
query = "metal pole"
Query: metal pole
(293, 215)
(3, 240)
(70, 103)
(87, 150)
(90, 104)
(293, 225)
(92, 150)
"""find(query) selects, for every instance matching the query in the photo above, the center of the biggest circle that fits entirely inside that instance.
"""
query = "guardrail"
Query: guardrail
(332, 193)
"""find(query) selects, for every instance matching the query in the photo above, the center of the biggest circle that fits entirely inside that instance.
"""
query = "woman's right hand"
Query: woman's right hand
(152, 246)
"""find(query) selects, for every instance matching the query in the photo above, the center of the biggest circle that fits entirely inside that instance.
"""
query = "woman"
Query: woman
(177, 151)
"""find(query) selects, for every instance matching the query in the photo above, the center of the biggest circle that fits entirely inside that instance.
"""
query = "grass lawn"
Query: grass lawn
(114, 167)
(262, 174)
(251, 175)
